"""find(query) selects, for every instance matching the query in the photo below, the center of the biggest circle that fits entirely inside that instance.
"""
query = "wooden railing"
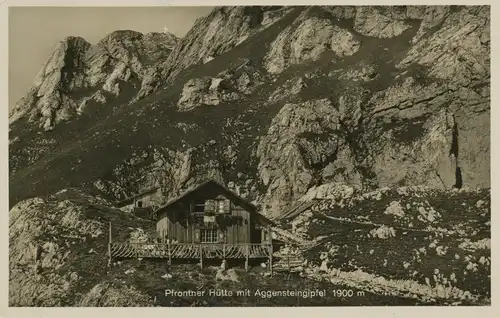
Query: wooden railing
(191, 250)
(188, 250)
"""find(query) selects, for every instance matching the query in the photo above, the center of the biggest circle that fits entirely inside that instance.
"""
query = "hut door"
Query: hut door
(255, 235)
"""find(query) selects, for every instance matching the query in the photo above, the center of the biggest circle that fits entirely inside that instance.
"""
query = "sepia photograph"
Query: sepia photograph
(249, 156)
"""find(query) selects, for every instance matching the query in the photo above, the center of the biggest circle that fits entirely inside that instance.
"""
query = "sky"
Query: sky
(35, 31)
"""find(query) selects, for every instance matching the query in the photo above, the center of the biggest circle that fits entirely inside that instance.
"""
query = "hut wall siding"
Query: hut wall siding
(148, 200)
(162, 224)
(178, 229)
(239, 232)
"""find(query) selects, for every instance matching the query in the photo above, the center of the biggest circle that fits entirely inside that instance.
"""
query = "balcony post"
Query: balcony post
(201, 256)
(247, 252)
(109, 245)
(169, 253)
(270, 242)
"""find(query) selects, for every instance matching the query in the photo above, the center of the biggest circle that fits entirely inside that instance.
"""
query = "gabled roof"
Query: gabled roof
(227, 193)
(135, 196)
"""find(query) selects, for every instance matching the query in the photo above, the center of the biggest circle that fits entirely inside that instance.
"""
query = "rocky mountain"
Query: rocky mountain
(275, 100)
(376, 120)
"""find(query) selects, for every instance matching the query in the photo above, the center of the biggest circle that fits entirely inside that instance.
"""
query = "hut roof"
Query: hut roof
(248, 206)
(130, 199)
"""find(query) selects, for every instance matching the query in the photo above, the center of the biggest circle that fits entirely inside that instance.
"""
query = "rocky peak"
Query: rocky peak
(122, 35)
(78, 74)
(71, 45)
(62, 73)
(67, 58)
(153, 42)
(167, 40)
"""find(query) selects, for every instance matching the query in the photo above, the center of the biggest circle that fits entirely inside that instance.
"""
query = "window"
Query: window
(221, 206)
(199, 206)
(139, 204)
(209, 236)
(198, 209)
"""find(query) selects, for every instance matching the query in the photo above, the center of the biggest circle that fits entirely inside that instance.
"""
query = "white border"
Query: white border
(373, 312)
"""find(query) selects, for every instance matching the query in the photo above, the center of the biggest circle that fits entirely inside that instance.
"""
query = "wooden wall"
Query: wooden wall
(152, 199)
(149, 200)
(162, 223)
(175, 222)
(240, 232)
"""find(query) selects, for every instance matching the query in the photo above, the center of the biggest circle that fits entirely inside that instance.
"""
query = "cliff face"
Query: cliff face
(275, 100)
(220, 31)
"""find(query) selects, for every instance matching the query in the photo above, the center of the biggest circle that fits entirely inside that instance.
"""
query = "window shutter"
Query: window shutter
(210, 206)
(227, 206)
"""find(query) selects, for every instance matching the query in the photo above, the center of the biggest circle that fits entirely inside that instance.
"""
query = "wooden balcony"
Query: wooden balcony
(189, 250)
(201, 251)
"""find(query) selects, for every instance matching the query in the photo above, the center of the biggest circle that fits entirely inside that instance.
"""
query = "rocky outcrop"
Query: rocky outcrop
(229, 85)
(459, 51)
(390, 21)
(203, 91)
(312, 37)
(330, 191)
(131, 54)
(114, 294)
(418, 118)
(430, 16)
(97, 97)
(54, 258)
(299, 139)
(381, 22)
